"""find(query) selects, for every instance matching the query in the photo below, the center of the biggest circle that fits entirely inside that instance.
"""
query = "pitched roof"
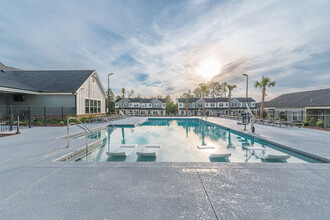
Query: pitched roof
(243, 99)
(301, 99)
(45, 80)
(190, 100)
(140, 100)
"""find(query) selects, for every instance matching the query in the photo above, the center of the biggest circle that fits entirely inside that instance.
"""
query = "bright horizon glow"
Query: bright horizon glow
(209, 68)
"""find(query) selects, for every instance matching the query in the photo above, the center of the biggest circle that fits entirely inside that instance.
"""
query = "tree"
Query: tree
(130, 93)
(204, 89)
(224, 88)
(197, 92)
(230, 88)
(215, 89)
(111, 102)
(171, 108)
(123, 90)
(187, 96)
(263, 84)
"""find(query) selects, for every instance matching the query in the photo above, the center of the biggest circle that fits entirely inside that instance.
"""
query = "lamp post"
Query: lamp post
(247, 87)
(109, 92)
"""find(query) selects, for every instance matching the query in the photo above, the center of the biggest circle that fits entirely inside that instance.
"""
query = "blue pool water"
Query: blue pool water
(179, 139)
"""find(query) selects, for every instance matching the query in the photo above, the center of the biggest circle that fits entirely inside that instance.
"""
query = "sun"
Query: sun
(209, 68)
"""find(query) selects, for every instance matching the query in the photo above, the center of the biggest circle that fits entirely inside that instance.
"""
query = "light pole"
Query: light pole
(109, 92)
(247, 87)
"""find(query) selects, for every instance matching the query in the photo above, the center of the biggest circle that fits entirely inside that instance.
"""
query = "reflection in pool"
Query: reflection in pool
(179, 139)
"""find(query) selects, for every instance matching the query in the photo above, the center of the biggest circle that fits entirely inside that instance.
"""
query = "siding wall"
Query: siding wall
(41, 100)
(2, 99)
(91, 89)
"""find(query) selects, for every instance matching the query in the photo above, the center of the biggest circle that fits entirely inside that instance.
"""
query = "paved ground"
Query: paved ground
(309, 141)
(130, 121)
(34, 187)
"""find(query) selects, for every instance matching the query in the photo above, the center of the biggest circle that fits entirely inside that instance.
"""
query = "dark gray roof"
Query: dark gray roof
(140, 100)
(45, 80)
(190, 100)
(301, 99)
(243, 99)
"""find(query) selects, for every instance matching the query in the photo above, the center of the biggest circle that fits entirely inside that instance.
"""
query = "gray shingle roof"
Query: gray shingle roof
(45, 80)
(140, 100)
(190, 100)
(242, 99)
(301, 99)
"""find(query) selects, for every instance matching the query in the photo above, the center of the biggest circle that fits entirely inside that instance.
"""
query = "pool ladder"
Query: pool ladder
(80, 125)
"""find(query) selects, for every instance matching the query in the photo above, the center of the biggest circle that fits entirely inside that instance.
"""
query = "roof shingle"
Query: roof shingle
(301, 99)
(45, 80)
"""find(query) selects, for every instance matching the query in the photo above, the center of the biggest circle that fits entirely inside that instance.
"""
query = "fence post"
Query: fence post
(11, 115)
(62, 113)
(44, 114)
(17, 132)
(30, 118)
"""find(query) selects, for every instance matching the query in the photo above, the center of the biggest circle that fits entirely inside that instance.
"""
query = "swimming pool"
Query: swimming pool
(179, 139)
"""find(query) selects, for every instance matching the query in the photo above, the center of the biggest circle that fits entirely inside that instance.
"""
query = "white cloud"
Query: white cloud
(273, 38)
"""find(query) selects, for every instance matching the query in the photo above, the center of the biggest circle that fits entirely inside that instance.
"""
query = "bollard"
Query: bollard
(29, 116)
(17, 132)
(11, 115)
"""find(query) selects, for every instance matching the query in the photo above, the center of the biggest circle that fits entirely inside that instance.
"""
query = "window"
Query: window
(294, 116)
(87, 106)
(220, 104)
(92, 106)
(212, 104)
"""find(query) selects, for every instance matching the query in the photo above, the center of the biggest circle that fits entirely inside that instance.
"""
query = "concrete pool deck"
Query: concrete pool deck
(309, 141)
(35, 187)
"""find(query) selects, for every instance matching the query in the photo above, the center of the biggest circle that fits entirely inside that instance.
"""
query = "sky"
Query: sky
(168, 47)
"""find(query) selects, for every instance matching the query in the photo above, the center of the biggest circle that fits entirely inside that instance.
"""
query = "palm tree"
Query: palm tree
(187, 96)
(224, 88)
(230, 88)
(204, 88)
(123, 90)
(265, 82)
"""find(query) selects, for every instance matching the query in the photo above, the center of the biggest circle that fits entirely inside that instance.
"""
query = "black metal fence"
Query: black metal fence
(29, 116)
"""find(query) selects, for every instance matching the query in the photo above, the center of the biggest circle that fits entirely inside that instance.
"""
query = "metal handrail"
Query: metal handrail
(82, 126)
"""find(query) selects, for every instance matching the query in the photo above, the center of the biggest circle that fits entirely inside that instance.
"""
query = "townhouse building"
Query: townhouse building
(214, 106)
(141, 106)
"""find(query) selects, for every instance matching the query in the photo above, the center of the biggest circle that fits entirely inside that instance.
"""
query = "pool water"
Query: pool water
(179, 139)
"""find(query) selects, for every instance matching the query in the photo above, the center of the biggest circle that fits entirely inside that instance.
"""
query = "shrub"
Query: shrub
(61, 122)
(24, 122)
(39, 121)
(52, 121)
(319, 123)
(306, 123)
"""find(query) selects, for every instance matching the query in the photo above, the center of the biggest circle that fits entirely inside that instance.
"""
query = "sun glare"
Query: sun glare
(209, 68)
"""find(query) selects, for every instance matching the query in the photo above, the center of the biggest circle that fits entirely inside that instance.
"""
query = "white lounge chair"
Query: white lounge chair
(247, 147)
(219, 155)
(208, 146)
(270, 155)
(149, 151)
(276, 157)
(122, 151)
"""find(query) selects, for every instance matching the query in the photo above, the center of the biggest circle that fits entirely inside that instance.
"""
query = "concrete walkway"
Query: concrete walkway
(130, 121)
(308, 141)
(35, 187)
